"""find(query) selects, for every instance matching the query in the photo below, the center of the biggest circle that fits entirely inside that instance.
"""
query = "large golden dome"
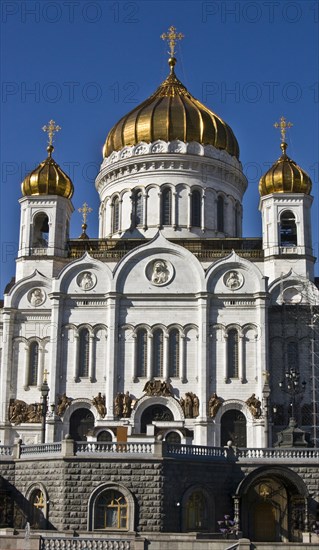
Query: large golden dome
(48, 179)
(171, 113)
(285, 176)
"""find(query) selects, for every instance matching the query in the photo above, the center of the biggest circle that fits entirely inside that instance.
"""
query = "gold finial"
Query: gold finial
(45, 376)
(51, 129)
(172, 36)
(283, 125)
(85, 210)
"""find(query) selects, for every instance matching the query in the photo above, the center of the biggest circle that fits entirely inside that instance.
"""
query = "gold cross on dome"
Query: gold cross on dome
(45, 376)
(172, 36)
(85, 210)
(51, 128)
(283, 125)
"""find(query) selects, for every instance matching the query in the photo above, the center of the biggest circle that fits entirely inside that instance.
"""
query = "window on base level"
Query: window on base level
(166, 210)
(158, 353)
(33, 364)
(137, 208)
(220, 213)
(196, 512)
(196, 209)
(288, 229)
(84, 353)
(141, 353)
(111, 511)
(173, 367)
(232, 353)
(116, 215)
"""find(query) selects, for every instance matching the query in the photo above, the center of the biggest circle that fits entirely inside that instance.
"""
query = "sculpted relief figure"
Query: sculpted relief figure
(123, 405)
(233, 280)
(160, 273)
(99, 404)
(86, 281)
(36, 297)
(214, 404)
(63, 404)
(190, 405)
(19, 412)
(157, 387)
(254, 405)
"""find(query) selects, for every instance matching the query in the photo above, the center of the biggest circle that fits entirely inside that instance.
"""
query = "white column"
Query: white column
(120, 213)
(91, 358)
(189, 214)
(149, 372)
(26, 367)
(182, 355)
(241, 366)
(202, 358)
(174, 208)
(159, 221)
(111, 360)
(203, 211)
(6, 367)
(225, 350)
(41, 366)
(134, 358)
(76, 357)
(165, 356)
(145, 197)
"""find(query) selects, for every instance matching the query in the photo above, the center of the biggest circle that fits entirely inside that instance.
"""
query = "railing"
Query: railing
(195, 450)
(79, 543)
(278, 453)
(43, 448)
(103, 447)
(5, 450)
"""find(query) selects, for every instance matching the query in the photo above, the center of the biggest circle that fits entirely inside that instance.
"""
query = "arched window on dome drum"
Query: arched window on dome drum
(84, 353)
(116, 215)
(220, 213)
(166, 207)
(137, 214)
(196, 209)
(232, 353)
(288, 229)
(40, 231)
(111, 511)
(158, 353)
(141, 353)
(173, 366)
(33, 364)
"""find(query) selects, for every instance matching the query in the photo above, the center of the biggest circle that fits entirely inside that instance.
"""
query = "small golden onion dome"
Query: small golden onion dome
(48, 179)
(171, 113)
(285, 176)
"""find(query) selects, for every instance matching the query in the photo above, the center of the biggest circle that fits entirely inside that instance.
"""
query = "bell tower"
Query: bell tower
(285, 205)
(46, 210)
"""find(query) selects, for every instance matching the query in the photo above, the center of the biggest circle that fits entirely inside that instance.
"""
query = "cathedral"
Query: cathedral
(162, 378)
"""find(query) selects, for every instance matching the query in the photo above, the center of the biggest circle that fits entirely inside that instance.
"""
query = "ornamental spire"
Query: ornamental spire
(51, 128)
(172, 37)
(283, 125)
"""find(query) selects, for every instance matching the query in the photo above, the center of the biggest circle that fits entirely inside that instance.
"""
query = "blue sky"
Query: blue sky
(85, 64)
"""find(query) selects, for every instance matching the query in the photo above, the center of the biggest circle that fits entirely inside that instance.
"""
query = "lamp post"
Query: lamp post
(291, 385)
(44, 405)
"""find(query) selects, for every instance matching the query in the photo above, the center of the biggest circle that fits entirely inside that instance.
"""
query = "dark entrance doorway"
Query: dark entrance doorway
(233, 427)
(155, 412)
(81, 422)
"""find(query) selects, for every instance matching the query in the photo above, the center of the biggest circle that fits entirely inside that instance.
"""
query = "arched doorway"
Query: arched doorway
(155, 412)
(233, 427)
(81, 423)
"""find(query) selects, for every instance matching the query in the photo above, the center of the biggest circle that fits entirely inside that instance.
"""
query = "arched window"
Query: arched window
(141, 353)
(292, 355)
(84, 353)
(166, 207)
(233, 428)
(104, 436)
(173, 438)
(40, 235)
(116, 215)
(288, 229)
(196, 512)
(81, 423)
(158, 353)
(173, 366)
(220, 213)
(37, 511)
(33, 364)
(111, 511)
(196, 209)
(137, 213)
(232, 353)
